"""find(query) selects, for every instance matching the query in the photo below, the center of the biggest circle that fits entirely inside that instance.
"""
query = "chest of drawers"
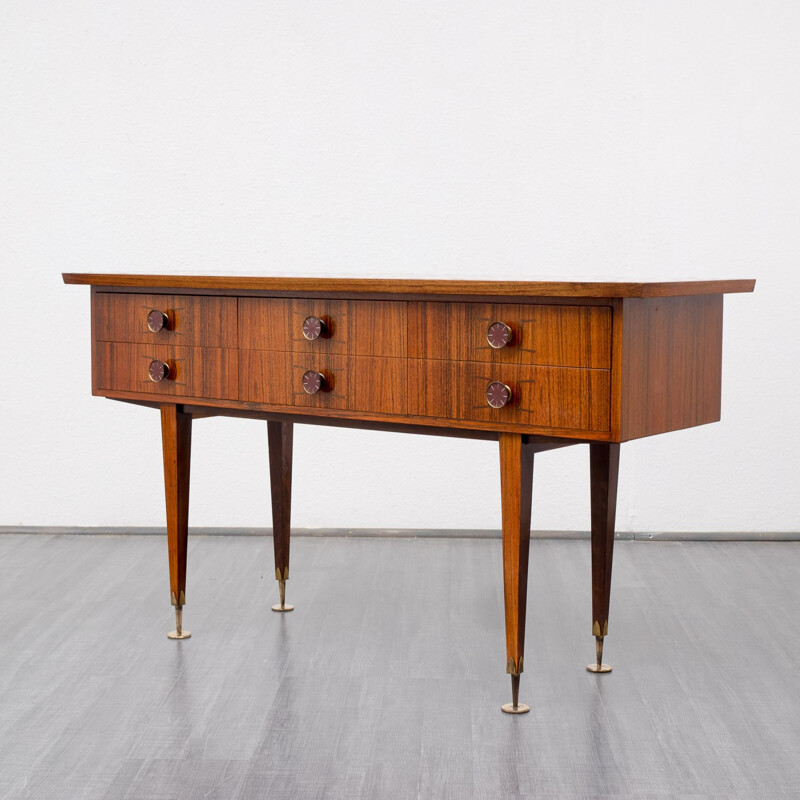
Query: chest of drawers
(532, 365)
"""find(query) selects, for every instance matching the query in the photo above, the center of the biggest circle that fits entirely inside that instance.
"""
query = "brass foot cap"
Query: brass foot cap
(181, 635)
(599, 670)
(520, 708)
(279, 607)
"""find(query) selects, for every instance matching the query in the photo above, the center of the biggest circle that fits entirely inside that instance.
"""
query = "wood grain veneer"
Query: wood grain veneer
(193, 321)
(547, 335)
(542, 397)
(359, 327)
(199, 372)
(355, 383)
(264, 377)
(278, 286)
(670, 371)
(375, 420)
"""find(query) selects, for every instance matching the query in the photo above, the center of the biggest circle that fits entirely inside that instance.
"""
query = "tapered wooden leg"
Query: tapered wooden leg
(516, 486)
(604, 459)
(279, 435)
(176, 439)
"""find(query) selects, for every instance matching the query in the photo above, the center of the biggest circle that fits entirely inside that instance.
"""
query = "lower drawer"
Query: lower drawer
(355, 383)
(202, 372)
(548, 397)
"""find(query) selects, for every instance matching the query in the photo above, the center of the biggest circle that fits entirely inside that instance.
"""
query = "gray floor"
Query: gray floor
(387, 679)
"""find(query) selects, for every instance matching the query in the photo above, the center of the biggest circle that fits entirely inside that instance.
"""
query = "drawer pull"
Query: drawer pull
(313, 381)
(498, 394)
(157, 320)
(158, 371)
(313, 328)
(498, 334)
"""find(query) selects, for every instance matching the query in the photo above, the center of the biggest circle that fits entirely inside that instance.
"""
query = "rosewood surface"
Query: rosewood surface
(278, 286)
(534, 365)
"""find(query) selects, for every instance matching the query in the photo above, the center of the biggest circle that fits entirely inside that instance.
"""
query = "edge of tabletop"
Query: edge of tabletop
(389, 286)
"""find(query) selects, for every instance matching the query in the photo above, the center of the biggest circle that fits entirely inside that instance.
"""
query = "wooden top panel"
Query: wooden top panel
(410, 287)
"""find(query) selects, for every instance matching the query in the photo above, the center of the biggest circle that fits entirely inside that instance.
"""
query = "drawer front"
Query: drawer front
(202, 372)
(545, 335)
(351, 327)
(547, 397)
(189, 320)
(354, 383)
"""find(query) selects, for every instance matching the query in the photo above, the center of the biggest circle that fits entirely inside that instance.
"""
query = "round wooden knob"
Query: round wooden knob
(158, 371)
(313, 381)
(157, 320)
(498, 334)
(498, 394)
(313, 328)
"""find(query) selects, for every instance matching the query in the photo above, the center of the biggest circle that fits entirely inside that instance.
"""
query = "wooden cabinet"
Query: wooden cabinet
(531, 365)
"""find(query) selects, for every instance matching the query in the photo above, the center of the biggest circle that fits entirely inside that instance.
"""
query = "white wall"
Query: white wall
(521, 139)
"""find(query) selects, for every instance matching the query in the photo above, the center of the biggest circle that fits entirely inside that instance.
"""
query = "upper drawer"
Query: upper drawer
(352, 327)
(201, 321)
(546, 335)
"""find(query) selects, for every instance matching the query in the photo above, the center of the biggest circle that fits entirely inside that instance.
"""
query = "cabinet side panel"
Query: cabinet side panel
(671, 365)
(93, 301)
